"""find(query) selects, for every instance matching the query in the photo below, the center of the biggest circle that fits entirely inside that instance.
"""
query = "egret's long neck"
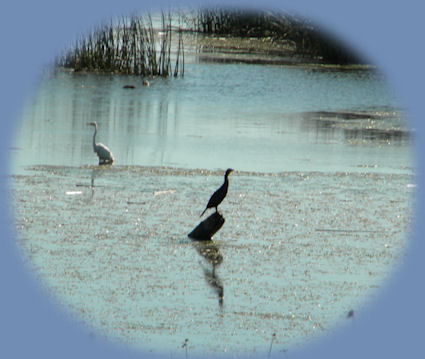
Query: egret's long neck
(94, 137)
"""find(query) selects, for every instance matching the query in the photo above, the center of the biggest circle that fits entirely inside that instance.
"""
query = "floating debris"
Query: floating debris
(73, 193)
(135, 202)
(159, 193)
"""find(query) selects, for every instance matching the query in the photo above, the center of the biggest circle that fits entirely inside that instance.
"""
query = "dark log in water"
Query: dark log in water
(205, 230)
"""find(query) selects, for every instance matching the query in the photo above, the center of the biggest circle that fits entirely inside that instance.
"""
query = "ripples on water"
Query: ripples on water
(316, 216)
(299, 251)
(251, 117)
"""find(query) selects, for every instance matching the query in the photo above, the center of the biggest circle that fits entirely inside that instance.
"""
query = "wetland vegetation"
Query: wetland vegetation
(129, 46)
(142, 46)
(290, 34)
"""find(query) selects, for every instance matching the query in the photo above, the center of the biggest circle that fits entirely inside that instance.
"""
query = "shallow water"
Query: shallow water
(250, 117)
(316, 217)
(300, 250)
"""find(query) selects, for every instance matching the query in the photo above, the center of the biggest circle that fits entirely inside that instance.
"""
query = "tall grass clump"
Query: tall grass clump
(308, 40)
(128, 46)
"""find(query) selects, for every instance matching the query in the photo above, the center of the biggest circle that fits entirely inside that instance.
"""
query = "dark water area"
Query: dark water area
(315, 221)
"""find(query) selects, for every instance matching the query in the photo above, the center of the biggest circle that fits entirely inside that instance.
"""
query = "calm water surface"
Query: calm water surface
(251, 117)
(316, 217)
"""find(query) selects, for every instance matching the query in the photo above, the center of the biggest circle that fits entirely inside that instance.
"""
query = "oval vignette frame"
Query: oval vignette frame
(32, 327)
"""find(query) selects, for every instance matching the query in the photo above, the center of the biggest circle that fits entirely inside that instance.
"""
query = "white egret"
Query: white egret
(103, 152)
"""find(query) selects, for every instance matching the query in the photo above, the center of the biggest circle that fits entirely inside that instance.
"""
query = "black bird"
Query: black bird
(219, 195)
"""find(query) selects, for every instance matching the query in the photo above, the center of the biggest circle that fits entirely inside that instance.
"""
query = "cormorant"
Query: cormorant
(219, 195)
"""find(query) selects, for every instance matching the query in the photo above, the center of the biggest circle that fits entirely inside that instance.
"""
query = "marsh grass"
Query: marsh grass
(130, 45)
(304, 36)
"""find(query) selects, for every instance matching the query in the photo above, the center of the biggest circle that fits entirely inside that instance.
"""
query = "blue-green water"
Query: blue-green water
(251, 117)
(316, 217)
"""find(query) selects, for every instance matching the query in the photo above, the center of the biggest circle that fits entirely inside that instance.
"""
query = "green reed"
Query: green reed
(130, 45)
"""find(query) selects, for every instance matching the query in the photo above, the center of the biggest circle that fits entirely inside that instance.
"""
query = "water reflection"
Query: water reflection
(95, 173)
(201, 236)
(351, 127)
(394, 136)
(178, 122)
(211, 252)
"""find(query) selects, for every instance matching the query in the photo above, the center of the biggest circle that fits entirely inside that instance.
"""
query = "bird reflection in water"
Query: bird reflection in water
(211, 252)
(202, 240)
(95, 173)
